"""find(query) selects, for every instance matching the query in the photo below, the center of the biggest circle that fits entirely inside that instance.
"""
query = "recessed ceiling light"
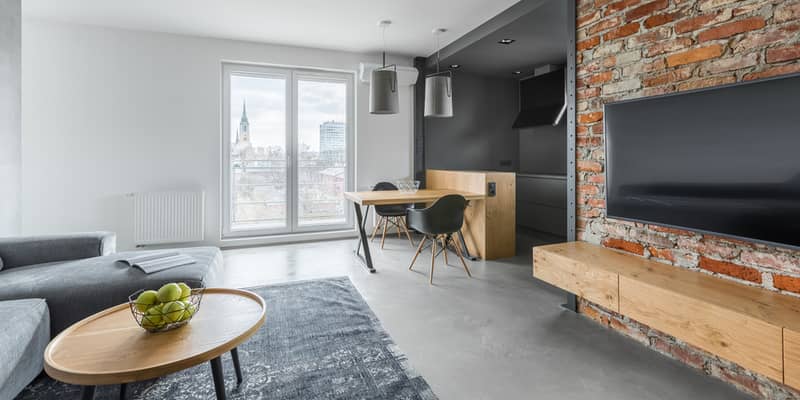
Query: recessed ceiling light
(517, 72)
(455, 66)
(506, 41)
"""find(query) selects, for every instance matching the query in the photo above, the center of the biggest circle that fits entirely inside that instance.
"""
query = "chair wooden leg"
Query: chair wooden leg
(444, 250)
(374, 231)
(419, 250)
(433, 259)
(405, 229)
(383, 236)
(460, 256)
(397, 226)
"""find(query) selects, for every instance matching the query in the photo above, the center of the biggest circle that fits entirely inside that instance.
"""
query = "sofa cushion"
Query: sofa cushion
(25, 334)
(76, 289)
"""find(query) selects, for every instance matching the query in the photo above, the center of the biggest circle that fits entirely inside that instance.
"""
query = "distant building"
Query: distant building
(332, 141)
(243, 148)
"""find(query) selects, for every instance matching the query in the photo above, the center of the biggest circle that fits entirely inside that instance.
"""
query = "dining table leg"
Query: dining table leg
(362, 239)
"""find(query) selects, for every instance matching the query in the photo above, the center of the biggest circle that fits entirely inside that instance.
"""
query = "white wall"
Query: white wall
(107, 112)
(10, 130)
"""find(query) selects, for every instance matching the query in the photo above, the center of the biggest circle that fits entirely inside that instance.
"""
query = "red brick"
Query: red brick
(625, 245)
(649, 37)
(707, 82)
(676, 75)
(660, 19)
(588, 43)
(625, 30)
(646, 9)
(588, 189)
(602, 77)
(695, 55)
(656, 65)
(679, 352)
(730, 269)
(587, 93)
(664, 254)
(620, 5)
(601, 3)
(774, 71)
(731, 28)
(604, 24)
(695, 23)
(588, 19)
(668, 46)
(595, 178)
(599, 203)
(589, 166)
(787, 283)
(786, 53)
(597, 129)
(589, 141)
(591, 117)
(590, 213)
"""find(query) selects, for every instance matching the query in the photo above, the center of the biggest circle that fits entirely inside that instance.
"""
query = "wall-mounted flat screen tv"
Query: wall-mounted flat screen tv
(724, 160)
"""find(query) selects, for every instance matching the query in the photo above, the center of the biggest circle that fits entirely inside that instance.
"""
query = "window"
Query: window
(287, 150)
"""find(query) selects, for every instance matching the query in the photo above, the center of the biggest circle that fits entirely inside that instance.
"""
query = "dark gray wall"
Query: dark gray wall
(10, 116)
(479, 136)
(543, 149)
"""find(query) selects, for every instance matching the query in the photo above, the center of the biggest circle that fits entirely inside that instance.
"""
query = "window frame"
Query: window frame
(292, 76)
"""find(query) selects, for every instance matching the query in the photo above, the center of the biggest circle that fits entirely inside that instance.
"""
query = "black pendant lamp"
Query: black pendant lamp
(439, 88)
(383, 83)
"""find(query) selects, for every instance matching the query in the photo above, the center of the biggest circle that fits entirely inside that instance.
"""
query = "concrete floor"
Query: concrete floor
(499, 335)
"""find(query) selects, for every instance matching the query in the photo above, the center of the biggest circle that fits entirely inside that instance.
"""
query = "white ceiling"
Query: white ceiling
(349, 25)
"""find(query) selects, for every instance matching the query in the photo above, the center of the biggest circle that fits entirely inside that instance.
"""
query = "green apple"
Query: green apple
(189, 310)
(185, 290)
(146, 299)
(173, 311)
(169, 292)
(152, 318)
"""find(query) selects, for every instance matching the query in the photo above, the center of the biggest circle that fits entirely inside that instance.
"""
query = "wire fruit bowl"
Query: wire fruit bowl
(162, 317)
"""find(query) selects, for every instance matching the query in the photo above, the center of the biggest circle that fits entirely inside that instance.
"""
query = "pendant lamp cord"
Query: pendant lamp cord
(383, 38)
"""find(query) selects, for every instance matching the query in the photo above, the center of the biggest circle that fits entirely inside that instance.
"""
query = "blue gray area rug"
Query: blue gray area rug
(320, 341)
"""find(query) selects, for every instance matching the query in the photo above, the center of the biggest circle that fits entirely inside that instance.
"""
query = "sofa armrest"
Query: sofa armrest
(21, 251)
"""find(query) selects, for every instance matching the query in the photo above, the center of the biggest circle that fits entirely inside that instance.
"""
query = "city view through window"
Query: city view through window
(270, 188)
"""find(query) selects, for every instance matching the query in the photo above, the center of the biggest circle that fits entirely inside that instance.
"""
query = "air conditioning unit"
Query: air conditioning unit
(405, 75)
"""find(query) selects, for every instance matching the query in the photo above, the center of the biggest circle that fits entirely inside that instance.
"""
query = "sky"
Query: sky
(266, 108)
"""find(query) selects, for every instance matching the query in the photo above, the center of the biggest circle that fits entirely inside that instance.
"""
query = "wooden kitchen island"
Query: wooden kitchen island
(489, 223)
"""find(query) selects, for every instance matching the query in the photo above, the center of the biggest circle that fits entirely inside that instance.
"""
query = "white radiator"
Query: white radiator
(168, 217)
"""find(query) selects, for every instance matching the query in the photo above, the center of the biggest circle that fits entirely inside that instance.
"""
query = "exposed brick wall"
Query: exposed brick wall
(634, 48)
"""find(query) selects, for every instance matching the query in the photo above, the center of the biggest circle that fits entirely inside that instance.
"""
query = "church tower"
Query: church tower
(243, 134)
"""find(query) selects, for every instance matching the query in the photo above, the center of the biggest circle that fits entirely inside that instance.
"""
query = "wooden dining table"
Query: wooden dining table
(394, 197)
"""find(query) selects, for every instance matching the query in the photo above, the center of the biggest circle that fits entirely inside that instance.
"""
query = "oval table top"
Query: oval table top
(111, 348)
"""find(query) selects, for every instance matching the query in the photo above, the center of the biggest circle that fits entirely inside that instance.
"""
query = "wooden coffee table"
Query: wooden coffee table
(109, 348)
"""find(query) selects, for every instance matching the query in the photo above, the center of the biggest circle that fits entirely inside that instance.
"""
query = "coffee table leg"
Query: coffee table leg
(87, 393)
(219, 379)
(123, 391)
(236, 365)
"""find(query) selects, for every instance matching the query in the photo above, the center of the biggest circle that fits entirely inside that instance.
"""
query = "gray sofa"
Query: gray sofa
(25, 334)
(76, 275)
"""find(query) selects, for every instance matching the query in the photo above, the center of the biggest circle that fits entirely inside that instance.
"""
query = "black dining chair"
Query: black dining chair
(439, 223)
(391, 214)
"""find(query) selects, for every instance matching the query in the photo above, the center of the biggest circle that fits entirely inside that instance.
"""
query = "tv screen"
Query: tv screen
(724, 160)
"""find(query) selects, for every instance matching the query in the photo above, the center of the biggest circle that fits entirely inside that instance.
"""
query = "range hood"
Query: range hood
(541, 100)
